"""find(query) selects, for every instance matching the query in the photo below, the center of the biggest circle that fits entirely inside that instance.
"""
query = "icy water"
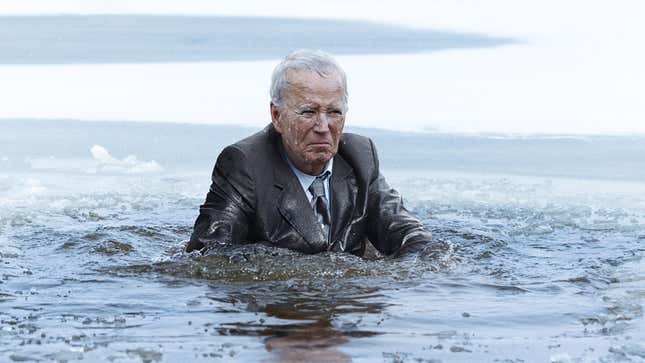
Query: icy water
(547, 236)
(74, 39)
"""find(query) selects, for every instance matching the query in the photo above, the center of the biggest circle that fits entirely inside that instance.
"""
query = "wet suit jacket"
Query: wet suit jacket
(256, 197)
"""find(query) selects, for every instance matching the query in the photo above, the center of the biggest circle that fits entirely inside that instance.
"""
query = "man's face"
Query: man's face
(311, 118)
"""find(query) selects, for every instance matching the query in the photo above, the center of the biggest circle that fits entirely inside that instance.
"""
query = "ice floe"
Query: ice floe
(130, 164)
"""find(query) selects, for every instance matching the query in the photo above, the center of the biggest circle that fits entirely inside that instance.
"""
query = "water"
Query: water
(70, 39)
(546, 264)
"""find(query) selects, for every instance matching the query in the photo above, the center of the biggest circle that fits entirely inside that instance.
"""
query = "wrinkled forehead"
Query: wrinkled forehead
(311, 84)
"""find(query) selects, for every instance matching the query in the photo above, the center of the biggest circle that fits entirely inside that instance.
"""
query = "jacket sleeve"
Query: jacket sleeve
(392, 229)
(230, 204)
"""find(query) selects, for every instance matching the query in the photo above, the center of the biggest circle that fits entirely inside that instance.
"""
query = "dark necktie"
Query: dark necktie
(319, 203)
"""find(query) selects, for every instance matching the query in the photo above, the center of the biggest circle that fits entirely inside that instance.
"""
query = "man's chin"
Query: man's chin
(320, 157)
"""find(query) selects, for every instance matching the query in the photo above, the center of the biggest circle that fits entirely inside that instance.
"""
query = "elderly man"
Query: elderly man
(301, 183)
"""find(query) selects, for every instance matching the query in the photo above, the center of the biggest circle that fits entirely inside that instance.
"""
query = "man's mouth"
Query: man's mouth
(323, 144)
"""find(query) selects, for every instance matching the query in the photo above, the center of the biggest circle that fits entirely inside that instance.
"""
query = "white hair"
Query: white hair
(313, 60)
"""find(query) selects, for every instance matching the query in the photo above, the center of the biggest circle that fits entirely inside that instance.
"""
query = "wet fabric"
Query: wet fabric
(319, 203)
(256, 198)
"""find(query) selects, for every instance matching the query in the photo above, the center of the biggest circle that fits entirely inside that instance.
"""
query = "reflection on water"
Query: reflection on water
(299, 322)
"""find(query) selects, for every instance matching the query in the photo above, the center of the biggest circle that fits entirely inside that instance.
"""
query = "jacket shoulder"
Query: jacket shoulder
(252, 151)
(254, 143)
(359, 151)
(355, 139)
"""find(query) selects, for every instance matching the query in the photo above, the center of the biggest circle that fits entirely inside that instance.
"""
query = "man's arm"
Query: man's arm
(392, 229)
(224, 217)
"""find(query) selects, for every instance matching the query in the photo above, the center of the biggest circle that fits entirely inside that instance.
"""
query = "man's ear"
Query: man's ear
(275, 117)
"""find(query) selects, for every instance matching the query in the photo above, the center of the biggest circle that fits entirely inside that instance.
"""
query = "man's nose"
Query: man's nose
(322, 124)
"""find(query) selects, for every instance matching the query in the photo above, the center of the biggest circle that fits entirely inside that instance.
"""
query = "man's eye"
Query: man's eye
(307, 112)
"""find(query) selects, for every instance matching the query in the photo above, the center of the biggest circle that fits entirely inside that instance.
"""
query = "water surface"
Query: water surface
(546, 263)
(73, 39)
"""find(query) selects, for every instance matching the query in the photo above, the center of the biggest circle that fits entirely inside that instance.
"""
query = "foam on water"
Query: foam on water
(19, 188)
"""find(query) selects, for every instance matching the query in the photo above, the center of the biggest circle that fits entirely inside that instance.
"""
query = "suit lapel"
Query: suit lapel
(342, 197)
(294, 206)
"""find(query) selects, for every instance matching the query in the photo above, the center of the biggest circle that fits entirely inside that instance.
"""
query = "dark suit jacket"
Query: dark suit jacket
(256, 197)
